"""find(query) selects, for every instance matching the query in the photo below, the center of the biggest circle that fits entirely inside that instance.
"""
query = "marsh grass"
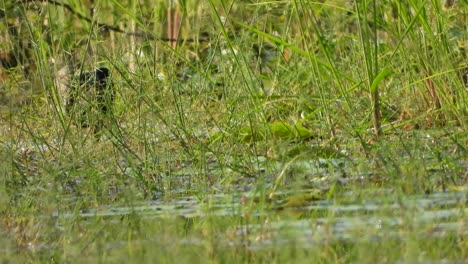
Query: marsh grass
(203, 119)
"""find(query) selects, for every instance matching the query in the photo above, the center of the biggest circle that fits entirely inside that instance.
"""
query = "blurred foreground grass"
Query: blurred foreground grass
(214, 115)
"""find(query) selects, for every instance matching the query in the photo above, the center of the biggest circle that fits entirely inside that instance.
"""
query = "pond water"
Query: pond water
(435, 215)
(304, 216)
(318, 202)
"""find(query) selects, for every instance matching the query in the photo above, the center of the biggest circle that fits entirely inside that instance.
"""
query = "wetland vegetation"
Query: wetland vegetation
(239, 131)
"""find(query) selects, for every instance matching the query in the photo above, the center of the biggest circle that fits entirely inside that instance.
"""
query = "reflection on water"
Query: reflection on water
(300, 212)
(434, 215)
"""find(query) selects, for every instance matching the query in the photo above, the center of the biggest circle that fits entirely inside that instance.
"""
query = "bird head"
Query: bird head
(102, 73)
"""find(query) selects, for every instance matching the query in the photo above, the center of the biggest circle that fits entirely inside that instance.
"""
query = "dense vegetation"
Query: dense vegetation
(270, 105)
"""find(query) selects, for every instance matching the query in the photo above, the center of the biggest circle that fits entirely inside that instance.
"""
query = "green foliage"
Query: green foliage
(214, 148)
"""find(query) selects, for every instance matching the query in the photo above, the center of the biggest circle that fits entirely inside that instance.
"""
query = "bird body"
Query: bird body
(90, 98)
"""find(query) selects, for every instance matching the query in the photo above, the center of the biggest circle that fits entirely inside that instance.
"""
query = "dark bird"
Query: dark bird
(90, 99)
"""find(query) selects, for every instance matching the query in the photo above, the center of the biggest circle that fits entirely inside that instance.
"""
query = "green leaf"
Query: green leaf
(384, 73)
